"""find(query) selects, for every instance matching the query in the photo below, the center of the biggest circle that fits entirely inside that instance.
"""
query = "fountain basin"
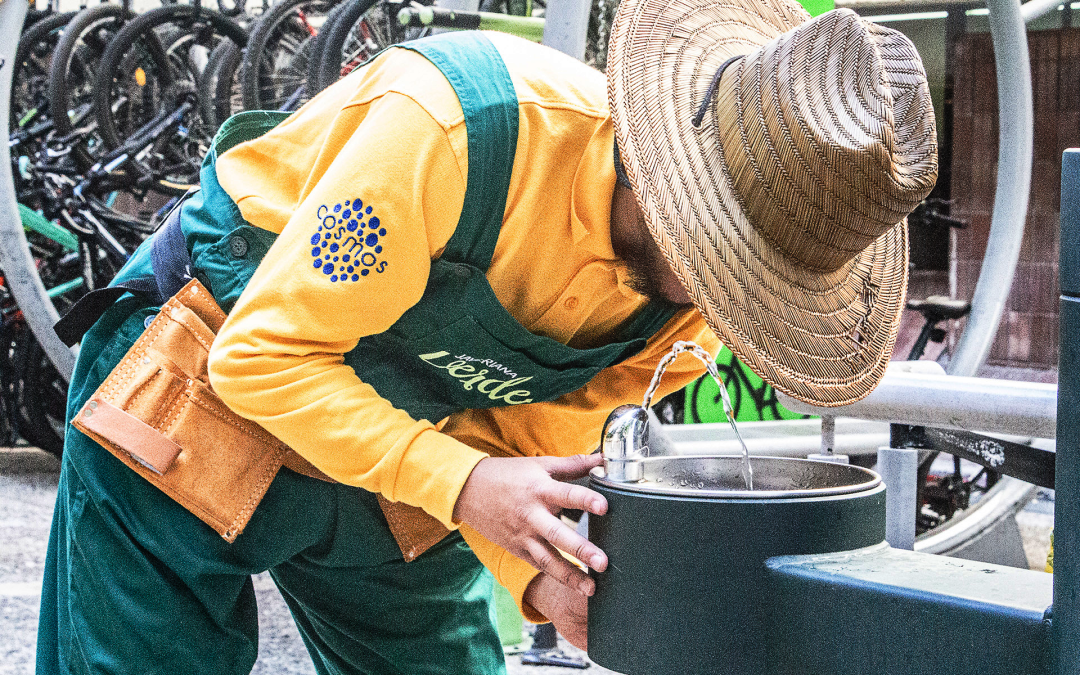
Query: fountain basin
(686, 589)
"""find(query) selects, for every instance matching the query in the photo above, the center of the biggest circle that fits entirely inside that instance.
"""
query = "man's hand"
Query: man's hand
(565, 607)
(515, 501)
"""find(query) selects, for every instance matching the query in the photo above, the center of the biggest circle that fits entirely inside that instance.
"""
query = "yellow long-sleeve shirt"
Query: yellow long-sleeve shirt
(391, 138)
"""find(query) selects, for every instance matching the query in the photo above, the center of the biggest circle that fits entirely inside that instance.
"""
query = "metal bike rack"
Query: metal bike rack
(1015, 142)
(1065, 628)
(15, 258)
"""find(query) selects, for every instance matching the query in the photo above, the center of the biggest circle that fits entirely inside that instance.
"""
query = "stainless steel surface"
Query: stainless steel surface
(778, 438)
(623, 442)
(828, 434)
(953, 402)
(719, 476)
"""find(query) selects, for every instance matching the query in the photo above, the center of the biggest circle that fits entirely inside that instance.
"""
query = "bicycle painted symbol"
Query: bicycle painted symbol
(752, 398)
(348, 242)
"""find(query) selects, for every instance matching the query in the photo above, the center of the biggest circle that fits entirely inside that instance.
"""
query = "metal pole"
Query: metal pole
(899, 468)
(1065, 627)
(1015, 115)
(1036, 9)
(15, 259)
(970, 403)
(566, 23)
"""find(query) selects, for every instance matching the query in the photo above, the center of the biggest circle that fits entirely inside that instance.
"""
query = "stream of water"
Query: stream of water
(710, 365)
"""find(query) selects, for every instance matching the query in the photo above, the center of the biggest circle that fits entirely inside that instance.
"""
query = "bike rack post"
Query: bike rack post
(15, 258)
(565, 24)
(1065, 626)
(1015, 142)
(899, 469)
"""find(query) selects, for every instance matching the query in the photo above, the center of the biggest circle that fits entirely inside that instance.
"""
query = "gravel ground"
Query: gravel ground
(28, 480)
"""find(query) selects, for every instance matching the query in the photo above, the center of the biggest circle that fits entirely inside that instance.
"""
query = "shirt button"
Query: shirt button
(238, 246)
(571, 303)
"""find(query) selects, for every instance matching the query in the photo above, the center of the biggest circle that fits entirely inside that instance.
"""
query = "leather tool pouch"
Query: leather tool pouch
(157, 413)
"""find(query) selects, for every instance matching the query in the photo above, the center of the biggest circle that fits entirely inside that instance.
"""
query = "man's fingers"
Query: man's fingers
(569, 496)
(565, 539)
(572, 467)
(547, 560)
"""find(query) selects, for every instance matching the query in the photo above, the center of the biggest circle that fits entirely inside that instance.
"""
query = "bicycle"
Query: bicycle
(143, 81)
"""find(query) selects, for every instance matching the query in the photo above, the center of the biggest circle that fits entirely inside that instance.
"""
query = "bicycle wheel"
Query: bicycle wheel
(71, 76)
(319, 46)
(39, 395)
(30, 76)
(146, 91)
(369, 27)
(220, 96)
(274, 68)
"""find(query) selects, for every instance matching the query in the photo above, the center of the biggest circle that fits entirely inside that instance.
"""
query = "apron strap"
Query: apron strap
(172, 270)
(489, 103)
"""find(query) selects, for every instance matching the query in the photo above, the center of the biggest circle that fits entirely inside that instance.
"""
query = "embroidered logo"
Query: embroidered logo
(469, 376)
(348, 242)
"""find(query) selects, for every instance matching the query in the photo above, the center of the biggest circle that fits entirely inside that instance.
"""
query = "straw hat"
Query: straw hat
(779, 199)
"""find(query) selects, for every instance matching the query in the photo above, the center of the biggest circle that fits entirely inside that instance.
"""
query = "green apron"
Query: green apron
(432, 361)
(135, 583)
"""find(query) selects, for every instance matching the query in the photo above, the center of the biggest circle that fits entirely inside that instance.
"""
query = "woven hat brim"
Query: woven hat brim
(824, 338)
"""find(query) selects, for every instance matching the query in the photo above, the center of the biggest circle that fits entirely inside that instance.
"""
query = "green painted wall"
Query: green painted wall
(816, 7)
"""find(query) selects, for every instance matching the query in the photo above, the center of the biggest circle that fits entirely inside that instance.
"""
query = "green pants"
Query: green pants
(136, 584)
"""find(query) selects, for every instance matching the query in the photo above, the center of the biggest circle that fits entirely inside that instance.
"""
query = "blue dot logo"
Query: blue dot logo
(344, 247)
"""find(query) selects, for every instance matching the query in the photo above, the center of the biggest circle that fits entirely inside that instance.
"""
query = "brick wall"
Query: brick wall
(1027, 337)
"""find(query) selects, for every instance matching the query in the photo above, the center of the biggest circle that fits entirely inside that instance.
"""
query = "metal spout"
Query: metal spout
(623, 443)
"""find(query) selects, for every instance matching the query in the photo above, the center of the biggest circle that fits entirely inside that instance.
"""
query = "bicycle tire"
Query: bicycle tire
(268, 74)
(30, 75)
(139, 78)
(326, 67)
(319, 46)
(372, 28)
(220, 84)
(40, 397)
(80, 49)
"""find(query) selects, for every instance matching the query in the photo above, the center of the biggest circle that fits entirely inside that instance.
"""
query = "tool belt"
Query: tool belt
(157, 413)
